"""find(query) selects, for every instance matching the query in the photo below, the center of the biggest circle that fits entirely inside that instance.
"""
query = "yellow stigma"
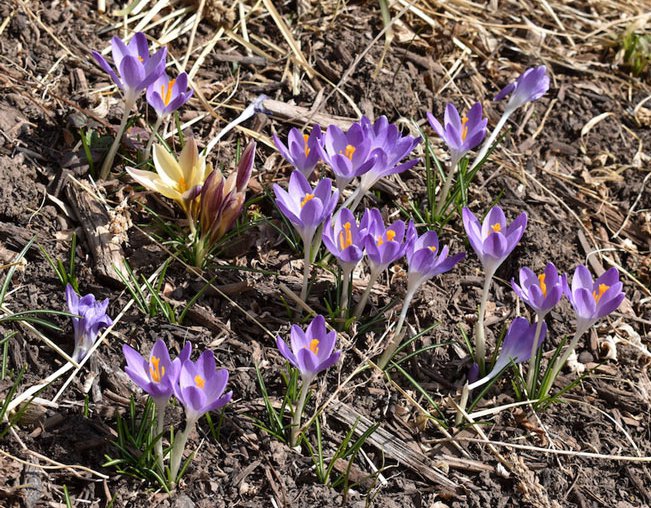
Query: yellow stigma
(496, 227)
(432, 248)
(155, 371)
(199, 381)
(307, 149)
(166, 94)
(141, 59)
(347, 240)
(543, 286)
(598, 294)
(350, 150)
(314, 346)
(464, 127)
(308, 197)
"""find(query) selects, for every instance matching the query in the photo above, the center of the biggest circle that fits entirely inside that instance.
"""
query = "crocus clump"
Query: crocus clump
(425, 259)
(492, 241)
(137, 70)
(312, 351)
(517, 347)
(220, 203)
(199, 386)
(384, 245)
(302, 150)
(89, 318)
(157, 377)
(460, 135)
(306, 208)
(541, 293)
(178, 179)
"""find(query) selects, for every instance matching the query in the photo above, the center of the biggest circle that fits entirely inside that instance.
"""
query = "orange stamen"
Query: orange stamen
(166, 94)
(464, 128)
(496, 227)
(155, 371)
(307, 149)
(391, 234)
(199, 381)
(543, 286)
(432, 248)
(308, 197)
(314, 346)
(346, 241)
(350, 150)
(598, 294)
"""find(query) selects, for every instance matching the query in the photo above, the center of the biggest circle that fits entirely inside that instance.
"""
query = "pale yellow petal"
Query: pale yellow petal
(153, 181)
(166, 166)
(188, 159)
(229, 184)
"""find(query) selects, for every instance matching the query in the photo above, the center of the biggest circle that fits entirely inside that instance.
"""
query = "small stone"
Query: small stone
(586, 357)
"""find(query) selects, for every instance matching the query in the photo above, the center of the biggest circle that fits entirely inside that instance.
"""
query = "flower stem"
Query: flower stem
(307, 246)
(561, 361)
(345, 283)
(298, 412)
(396, 338)
(532, 359)
(359, 195)
(489, 142)
(180, 440)
(107, 165)
(160, 425)
(446, 188)
(362, 303)
(154, 131)
(480, 333)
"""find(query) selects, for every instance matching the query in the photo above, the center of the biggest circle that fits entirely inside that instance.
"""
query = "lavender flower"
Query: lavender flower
(344, 239)
(530, 86)
(593, 300)
(158, 375)
(90, 318)
(425, 260)
(517, 347)
(385, 244)
(312, 350)
(460, 134)
(201, 386)
(350, 154)
(493, 240)
(137, 70)
(302, 150)
(541, 292)
(304, 207)
(167, 95)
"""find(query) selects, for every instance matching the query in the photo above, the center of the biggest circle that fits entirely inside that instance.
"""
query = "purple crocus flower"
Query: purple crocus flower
(393, 148)
(304, 207)
(90, 318)
(425, 260)
(540, 292)
(302, 150)
(460, 134)
(516, 347)
(201, 386)
(312, 350)
(137, 70)
(384, 245)
(344, 239)
(350, 154)
(593, 300)
(493, 240)
(530, 85)
(158, 375)
(167, 95)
